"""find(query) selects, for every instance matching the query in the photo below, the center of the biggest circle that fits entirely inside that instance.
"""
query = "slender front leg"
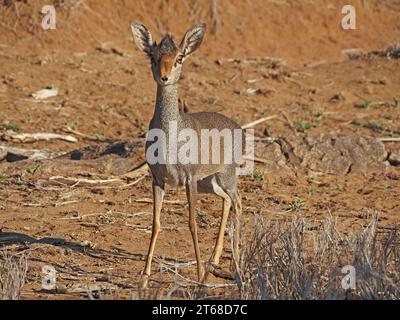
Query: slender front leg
(191, 192)
(158, 196)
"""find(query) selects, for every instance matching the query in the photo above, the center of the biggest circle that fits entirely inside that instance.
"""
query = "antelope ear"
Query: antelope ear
(142, 37)
(192, 40)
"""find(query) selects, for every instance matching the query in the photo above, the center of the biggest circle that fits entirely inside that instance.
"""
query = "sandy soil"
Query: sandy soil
(99, 235)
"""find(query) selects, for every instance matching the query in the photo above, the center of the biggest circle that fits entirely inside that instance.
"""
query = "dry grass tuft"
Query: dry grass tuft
(391, 52)
(299, 260)
(305, 261)
(12, 275)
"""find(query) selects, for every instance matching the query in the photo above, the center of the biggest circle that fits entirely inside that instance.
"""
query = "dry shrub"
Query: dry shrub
(12, 275)
(300, 260)
(57, 3)
(377, 263)
(391, 52)
(305, 261)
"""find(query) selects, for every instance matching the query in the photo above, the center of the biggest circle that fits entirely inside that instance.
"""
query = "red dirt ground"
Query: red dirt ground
(106, 89)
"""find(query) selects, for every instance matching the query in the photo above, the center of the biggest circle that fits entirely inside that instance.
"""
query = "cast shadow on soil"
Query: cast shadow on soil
(123, 149)
(8, 239)
(14, 238)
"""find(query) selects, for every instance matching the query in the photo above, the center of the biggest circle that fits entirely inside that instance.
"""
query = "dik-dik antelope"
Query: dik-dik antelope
(217, 178)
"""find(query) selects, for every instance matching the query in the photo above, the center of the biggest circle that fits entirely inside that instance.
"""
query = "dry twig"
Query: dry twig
(33, 137)
(254, 123)
(31, 154)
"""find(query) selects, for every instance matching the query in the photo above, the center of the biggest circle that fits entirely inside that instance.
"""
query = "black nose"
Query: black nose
(165, 79)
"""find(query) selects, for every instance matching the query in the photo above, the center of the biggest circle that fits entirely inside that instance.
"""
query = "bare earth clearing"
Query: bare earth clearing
(322, 153)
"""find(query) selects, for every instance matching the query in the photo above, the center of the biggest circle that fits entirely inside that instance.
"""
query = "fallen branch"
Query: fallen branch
(174, 263)
(83, 135)
(220, 273)
(315, 64)
(33, 137)
(207, 285)
(82, 181)
(254, 123)
(33, 205)
(389, 139)
(15, 154)
(139, 227)
(137, 174)
(58, 204)
(257, 139)
(148, 200)
(271, 60)
(85, 216)
(133, 183)
(256, 159)
(88, 289)
(132, 215)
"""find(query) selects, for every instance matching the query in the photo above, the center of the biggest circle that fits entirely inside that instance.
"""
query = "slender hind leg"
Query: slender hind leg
(158, 196)
(228, 182)
(224, 185)
(237, 209)
(226, 206)
(191, 192)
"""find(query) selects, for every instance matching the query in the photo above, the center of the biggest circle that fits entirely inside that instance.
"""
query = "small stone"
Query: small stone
(394, 158)
(353, 53)
(337, 97)
(3, 155)
(88, 244)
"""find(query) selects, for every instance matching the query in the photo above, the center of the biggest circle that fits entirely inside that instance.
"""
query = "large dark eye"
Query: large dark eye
(178, 60)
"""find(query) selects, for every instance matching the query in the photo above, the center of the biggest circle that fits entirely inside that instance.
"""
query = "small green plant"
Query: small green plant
(258, 176)
(318, 122)
(200, 214)
(212, 100)
(129, 200)
(35, 170)
(296, 205)
(237, 119)
(264, 110)
(303, 126)
(12, 127)
(358, 126)
(143, 130)
(73, 124)
(40, 214)
(366, 104)
(375, 126)
(396, 102)
(4, 176)
(98, 137)
(310, 191)
(107, 218)
(387, 187)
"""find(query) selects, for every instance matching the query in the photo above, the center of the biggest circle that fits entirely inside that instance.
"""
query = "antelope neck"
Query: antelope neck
(167, 108)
